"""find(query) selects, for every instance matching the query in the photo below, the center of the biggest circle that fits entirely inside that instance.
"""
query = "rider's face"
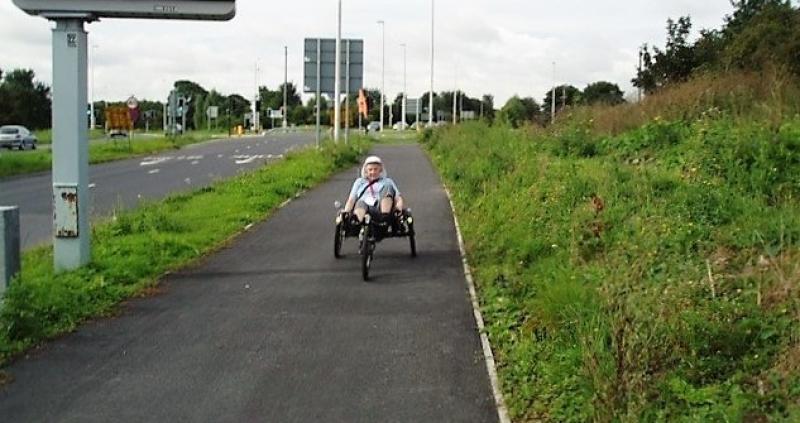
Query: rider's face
(373, 171)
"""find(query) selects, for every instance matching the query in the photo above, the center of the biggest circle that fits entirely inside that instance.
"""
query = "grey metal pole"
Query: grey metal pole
(430, 104)
(347, 97)
(383, 69)
(319, 70)
(553, 97)
(10, 246)
(639, 75)
(337, 83)
(405, 96)
(285, 87)
(71, 200)
(92, 118)
(455, 99)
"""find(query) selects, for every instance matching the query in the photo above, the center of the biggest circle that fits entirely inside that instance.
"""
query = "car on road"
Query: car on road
(17, 136)
(400, 126)
(374, 126)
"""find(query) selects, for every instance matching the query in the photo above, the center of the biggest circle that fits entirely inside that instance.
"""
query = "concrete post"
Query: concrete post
(10, 247)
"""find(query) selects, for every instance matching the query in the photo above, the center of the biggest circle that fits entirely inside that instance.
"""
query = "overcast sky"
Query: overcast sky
(500, 47)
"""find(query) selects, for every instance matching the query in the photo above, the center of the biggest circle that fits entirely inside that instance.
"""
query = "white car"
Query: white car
(16, 136)
(400, 126)
(374, 127)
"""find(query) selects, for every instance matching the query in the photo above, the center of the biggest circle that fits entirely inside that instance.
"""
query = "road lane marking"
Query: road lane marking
(150, 161)
(244, 159)
(153, 172)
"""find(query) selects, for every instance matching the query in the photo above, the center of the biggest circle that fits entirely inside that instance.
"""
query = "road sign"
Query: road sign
(212, 112)
(275, 114)
(363, 103)
(413, 106)
(219, 10)
(327, 64)
(132, 102)
(118, 118)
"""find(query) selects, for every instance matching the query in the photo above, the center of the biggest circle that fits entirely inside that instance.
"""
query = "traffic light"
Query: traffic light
(258, 105)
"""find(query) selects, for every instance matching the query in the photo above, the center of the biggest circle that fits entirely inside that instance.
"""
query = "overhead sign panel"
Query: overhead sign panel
(219, 10)
(325, 61)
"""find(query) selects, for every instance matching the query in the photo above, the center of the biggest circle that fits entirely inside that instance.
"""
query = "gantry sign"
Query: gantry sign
(71, 197)
(145, 9)
(319, 70)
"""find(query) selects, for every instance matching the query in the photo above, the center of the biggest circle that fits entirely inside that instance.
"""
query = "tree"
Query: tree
(603, 92)
(235, 108)
(763, 33)
(193, 91)
(518, 110)
(487, 103)
(673, 64)
(566, 95)
(425, 100)
(24, 101)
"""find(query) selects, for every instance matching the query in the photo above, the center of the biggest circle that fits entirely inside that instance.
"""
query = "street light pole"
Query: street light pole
(553, 97)
(383, 68)
(403, 119)
(92, 118)
(337, 87)
(455, 99)
(285, 88)
(430, 103)
(256, 112)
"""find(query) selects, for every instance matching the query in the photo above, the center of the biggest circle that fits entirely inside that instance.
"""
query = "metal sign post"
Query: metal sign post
(71, 147)
(71, 197)
(347, 98)
(319, 69)
(319, 78)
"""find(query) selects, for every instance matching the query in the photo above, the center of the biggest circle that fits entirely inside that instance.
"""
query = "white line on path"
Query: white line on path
(153, 172)
(491, 367)
(150, 161)
(247, 159)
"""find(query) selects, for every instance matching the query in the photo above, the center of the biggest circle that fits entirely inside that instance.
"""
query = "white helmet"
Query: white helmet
(372, 160)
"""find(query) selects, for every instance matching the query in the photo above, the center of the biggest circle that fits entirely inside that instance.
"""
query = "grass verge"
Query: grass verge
(133, 250)
(647, 276)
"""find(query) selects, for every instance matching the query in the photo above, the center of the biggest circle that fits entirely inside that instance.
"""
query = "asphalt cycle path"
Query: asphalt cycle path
(273, 328)
(124, 184)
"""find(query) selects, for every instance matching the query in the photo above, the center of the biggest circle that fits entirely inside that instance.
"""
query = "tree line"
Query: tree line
(759, 35)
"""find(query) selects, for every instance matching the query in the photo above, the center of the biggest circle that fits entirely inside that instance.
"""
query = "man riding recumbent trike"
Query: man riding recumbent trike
(374, 211)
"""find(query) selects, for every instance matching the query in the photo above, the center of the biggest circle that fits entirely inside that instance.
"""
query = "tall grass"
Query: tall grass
(769, 97)
(646, 276)
(131, 252)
